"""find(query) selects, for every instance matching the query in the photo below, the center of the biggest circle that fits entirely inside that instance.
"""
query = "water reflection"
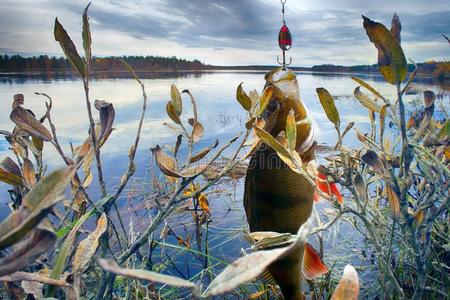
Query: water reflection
(222, 118)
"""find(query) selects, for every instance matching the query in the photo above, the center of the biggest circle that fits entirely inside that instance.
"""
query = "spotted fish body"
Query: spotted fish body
(275, 197)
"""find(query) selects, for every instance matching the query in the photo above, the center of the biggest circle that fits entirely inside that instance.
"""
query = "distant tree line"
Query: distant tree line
(439, 70)
(18, 63)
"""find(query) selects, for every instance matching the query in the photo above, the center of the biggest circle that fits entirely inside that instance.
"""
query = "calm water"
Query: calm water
(222, 118)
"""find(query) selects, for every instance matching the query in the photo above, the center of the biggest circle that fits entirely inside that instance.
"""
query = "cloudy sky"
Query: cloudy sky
(227, 32)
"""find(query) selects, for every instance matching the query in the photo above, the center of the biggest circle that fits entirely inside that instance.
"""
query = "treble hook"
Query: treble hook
(283, 63)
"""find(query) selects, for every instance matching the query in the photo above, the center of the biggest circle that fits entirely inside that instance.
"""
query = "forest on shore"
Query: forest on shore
(18, 63)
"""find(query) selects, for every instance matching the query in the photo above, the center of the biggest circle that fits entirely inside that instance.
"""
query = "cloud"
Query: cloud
(228, 32)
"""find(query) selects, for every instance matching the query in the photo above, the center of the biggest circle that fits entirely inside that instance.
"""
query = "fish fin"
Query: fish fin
(316, 197)
(267, 278)
(329, 188)
(313, 266)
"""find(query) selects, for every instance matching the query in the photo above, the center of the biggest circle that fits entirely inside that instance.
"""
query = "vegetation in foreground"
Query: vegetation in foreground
(395, 193)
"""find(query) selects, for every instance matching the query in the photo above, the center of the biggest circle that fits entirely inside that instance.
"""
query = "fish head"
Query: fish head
(286, 97)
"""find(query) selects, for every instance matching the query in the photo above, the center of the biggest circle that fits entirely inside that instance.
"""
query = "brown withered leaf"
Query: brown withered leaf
(86, 249)
(10, 172)
(26, 121)
(69, 48)
(171, 112)
(29, 176)
(86, 35)
(107, 115)
(371, 158)
(202, 153)
(396, 28)
(36, 204)
(391, 59)
(197, 129)
(348, 286)
(165, 163)
(18, 100)
(39, 243)
(394, 202)
(368, 87)
(366, 100)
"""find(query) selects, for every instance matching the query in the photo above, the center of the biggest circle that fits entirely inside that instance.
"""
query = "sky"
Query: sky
(227, 32)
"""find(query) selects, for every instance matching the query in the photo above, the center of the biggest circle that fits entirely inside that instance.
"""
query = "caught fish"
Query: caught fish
(277, 198)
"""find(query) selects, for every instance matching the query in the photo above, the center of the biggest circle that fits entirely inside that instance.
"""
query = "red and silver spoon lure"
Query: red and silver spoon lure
(284, 39)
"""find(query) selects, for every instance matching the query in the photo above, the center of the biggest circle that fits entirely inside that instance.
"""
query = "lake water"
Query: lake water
(222, 118)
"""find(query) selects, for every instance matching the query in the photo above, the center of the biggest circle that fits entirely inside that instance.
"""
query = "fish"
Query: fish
(277, 198)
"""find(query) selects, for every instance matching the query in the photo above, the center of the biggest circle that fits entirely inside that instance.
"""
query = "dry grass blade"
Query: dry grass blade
(35, 277)
(112, 267)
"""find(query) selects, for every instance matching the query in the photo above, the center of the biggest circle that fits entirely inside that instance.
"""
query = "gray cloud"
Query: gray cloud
(321, 33)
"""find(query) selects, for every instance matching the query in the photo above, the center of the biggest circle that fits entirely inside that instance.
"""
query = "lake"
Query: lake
(222, 117)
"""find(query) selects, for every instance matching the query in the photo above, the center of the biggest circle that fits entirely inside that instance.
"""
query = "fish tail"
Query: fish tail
(287, 273)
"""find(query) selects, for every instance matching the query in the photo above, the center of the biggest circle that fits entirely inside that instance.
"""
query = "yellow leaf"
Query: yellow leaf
(328, 105)
(243, 98)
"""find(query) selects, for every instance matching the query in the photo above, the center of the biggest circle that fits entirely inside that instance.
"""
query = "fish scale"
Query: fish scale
(275, 197)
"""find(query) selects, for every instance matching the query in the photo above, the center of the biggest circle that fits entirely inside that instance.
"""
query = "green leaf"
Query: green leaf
(293, 162)
(366, 100)
(291, 130)
(35, 206)
(64, 251)
(69, 48)
(176, 99)
(391, 59)
(328, 105)
(86, 34)
(243, 98)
